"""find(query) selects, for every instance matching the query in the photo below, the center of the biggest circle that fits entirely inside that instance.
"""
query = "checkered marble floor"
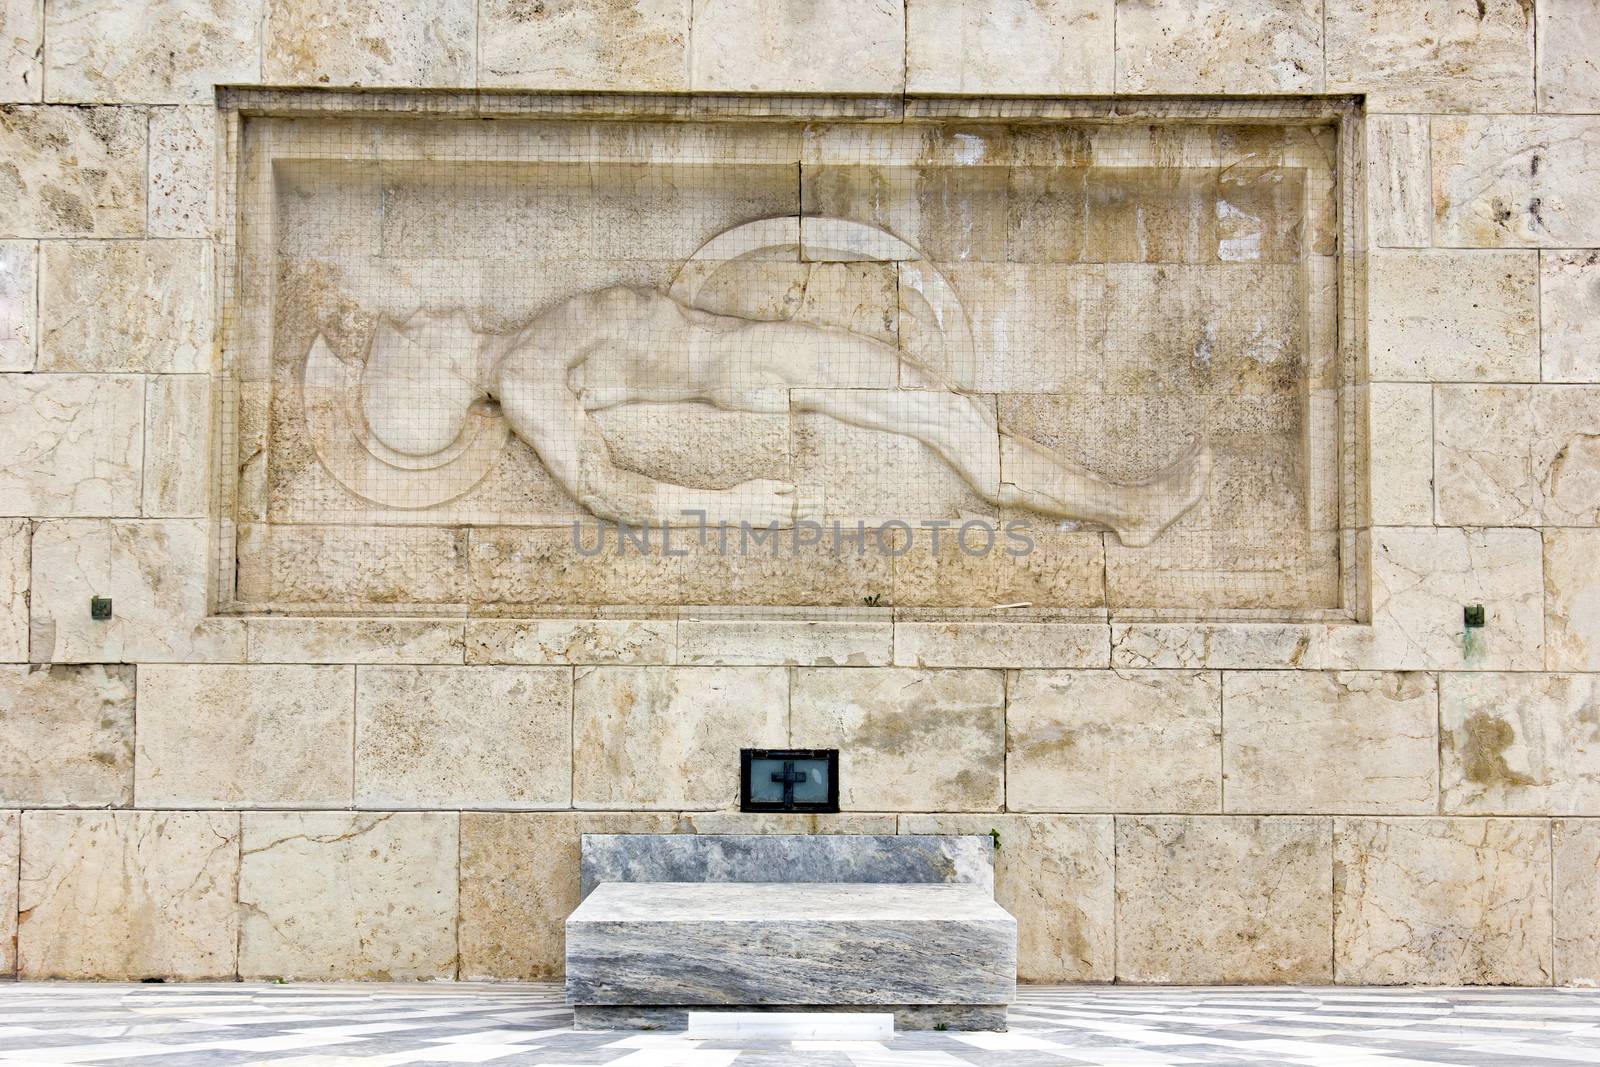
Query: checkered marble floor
(380, 1025)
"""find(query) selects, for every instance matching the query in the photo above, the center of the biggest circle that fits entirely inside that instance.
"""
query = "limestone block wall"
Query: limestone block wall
(199, 796)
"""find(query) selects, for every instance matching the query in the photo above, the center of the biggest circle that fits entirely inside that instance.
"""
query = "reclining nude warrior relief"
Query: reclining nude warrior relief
(626, 345)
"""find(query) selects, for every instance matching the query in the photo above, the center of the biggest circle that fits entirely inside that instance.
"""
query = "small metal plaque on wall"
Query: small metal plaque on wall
(789, 779)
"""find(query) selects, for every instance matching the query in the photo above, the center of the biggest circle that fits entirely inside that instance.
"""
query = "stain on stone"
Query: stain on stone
(1484, 741)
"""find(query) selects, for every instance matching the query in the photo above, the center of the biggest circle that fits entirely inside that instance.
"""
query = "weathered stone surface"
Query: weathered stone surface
(1399, 185)
(125, 306)
(155, 574)
(76, 172)
(167, 52)
(1326, 743)
(1519, 744)
(776, 943)
(1114, 741)
(908, 740)
(183, 164)
(19, 304)
(519, 882)
(577, 641)
(369, 43)
(1054, 874)
(349, 895)
(1516, 180)
(1417, 56)
(1569, 73)
(1518, 455)
(1441, 901)
(385, 567)
(1054, 47)
(21, 47)
(458, 737)
(669, 737)
(271, 639)
(76, 444)
(221, 736)
(177, 445)
(128, 894)
(799, 858)
(1454, 316)
(67, 736)
(1223, 899)
(1221, 645)
(1571, 600)
(16, 536)
(974, 566)
(10, 863)
(1422, 579)
(793, 46)
(1576, 862)
(636, 45)
(1569, 306)
(774, 822)
(802, 643)
(1001, 644)
(1211, 46)
(1401, 464)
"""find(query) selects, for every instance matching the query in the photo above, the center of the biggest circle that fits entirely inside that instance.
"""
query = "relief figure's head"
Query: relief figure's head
(421, 379)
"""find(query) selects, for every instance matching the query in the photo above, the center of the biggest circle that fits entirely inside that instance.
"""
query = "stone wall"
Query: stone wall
(196, 795)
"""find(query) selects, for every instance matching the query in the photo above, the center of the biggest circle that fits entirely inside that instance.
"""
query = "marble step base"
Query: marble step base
(906, 1016)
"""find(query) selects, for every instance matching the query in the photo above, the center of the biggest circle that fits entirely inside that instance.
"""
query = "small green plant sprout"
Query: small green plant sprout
(872, 600)
(995, 834)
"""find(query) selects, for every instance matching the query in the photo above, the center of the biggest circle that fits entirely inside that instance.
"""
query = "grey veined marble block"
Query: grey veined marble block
(876, 858)
(676, 944)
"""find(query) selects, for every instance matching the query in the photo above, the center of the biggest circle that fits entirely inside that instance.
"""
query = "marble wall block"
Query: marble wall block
(1054, 874)
(669, 737)
(1571, 600)
(1219, 645)
(66, 736)
(1330, 743)
(741, 822)
(1520, 744)
(126, 306)
(1399, 185)
(572, 641)
(1414, 55)
(1212, 46)
(219, 736)
(1453, 316)
(76, 172)
(1516, 180)
(1518, 455)
(77, 444)
(1400, 464)
(1576, 860)
(519, 882)
(164, 52)
(1569, 306)
(811, 46)
(370, 43)
(792, 642)
(1421, 581)
(975, 566)
(21, 51)
(1054, 47)
(908, 740)
(353, 895)
(457, 737)
(284, 639)
(1114, 741)
(638, 45)
(128, 895)
(386, 567)
(19, 304)
(16, 537)
(177, 445)
(10, 865)
(1441, 901)
(1223, 899)
(1001, 644)
(1569, 56)
(183, 165)
(154, 571)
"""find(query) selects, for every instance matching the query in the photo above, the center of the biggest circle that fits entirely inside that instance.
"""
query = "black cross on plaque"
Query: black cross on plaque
(790, 778)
